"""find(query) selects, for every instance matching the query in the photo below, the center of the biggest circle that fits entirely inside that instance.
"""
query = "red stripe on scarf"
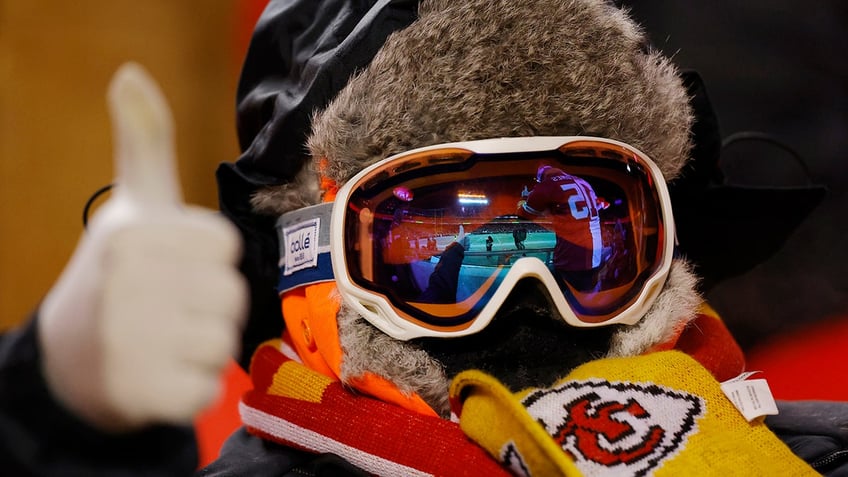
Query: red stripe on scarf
(371, 427)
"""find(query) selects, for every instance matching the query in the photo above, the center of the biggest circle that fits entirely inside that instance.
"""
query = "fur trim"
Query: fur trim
(489, 68)
(301, 192)
(673, 309)
(366, 349)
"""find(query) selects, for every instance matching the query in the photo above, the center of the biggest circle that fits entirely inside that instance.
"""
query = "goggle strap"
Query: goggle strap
(304, 245)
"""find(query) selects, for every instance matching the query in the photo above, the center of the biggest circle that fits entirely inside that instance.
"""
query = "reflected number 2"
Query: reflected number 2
(581, 200)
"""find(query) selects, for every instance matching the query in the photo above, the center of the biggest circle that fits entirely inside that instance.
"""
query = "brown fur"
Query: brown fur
(488, 68)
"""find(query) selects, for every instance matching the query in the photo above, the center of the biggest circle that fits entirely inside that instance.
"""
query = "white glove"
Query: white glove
(149, 309)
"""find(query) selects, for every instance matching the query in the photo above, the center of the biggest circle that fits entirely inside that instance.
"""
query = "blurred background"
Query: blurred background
(56, 60)
(777, 67)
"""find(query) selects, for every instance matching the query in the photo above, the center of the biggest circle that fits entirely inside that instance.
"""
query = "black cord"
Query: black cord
(768, 138)
(87, 208)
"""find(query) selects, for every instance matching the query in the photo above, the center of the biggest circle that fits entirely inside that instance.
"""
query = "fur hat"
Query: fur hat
(491, 68)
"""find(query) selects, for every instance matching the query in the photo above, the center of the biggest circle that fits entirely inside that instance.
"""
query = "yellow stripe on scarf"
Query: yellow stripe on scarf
(293, 380)
(657, 414)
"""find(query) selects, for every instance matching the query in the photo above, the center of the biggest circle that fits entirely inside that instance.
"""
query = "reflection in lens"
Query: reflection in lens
(571, 205)
(591, 216)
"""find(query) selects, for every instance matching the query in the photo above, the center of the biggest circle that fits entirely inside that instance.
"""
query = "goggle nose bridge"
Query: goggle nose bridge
(529, 268)
(536, 272)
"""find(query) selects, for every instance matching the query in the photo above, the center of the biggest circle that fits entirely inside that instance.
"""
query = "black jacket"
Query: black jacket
(38, 437)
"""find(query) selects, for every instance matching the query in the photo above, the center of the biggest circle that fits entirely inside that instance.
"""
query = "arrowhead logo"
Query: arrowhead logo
(616, 428)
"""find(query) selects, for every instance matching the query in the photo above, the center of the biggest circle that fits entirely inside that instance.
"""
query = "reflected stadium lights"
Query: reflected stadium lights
(467, 198)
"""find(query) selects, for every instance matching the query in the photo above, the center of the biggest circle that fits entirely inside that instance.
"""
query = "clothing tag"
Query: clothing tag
(301, 245)
(751, 397)
(741, 377)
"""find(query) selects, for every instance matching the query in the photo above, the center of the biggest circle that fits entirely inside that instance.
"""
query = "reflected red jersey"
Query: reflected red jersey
(571, 204)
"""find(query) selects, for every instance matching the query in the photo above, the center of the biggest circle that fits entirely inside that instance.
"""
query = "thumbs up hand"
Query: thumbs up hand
(150, 306)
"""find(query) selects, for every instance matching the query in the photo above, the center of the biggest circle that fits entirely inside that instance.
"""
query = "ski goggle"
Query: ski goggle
(432, 241)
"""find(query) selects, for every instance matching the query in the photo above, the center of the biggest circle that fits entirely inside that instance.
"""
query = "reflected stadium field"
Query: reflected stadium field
(479, 264)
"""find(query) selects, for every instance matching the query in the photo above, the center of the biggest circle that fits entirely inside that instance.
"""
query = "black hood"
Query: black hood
(301, 54)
